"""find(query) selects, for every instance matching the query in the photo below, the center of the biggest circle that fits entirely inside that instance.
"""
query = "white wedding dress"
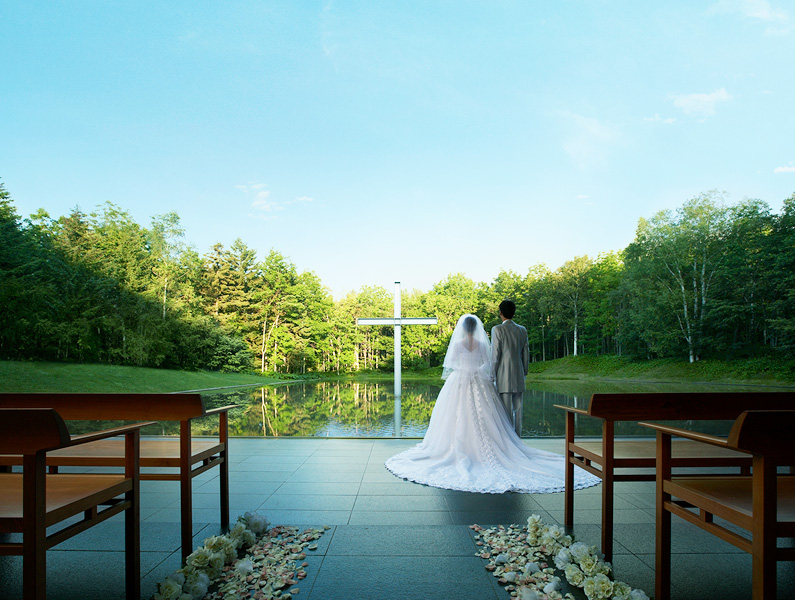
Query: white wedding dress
(470, 444)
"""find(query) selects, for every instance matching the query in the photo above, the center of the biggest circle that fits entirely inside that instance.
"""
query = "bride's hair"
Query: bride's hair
(470, 323)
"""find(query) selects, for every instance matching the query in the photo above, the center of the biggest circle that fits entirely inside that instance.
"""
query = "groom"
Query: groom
(510, 354)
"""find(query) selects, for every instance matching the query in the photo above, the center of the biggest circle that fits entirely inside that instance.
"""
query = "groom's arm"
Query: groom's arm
(496, 351)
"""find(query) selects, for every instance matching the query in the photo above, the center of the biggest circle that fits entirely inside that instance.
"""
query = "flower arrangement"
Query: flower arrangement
(520, 557)
(250, 561)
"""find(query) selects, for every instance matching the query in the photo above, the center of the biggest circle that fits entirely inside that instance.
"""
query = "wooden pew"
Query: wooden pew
(762, 504)
(189, 457)
(32, 501)
(609, 458)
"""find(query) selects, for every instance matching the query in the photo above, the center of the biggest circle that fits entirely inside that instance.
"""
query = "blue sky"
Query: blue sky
(397, 140)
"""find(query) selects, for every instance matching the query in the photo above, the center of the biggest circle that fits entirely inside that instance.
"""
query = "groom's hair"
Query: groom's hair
(507, 308)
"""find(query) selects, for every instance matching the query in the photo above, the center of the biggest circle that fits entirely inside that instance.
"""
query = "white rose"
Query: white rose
(196, 585)
(579, 550)
(604, 567)
(244, 566)
(534, 522)
(531, 567)
(562, 558)
(589, 565)
(555, 531)
(621, 591)
(574, 575)
(200, 559)
(638, 595)
(589, 587)
(552, 586)
(169, 589)
(256, 523)
(603, 586)
(526, 593)
(197, 590)
(217, 561)
(222, 545)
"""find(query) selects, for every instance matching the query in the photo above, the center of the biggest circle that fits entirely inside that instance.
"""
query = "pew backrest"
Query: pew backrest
(108, 407)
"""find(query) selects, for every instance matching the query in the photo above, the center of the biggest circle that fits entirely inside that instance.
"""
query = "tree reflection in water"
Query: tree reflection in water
(327, 408)
(366, 408)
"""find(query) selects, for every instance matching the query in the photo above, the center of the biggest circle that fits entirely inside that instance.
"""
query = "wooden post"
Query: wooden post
(608, 448)
(132, 516)
(663, 521)
(763, 549)
(223, 476)
(185, 483)
(568, 513)
(34, 534)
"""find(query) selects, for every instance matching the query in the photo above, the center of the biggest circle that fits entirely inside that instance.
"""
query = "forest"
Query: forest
(702, 280)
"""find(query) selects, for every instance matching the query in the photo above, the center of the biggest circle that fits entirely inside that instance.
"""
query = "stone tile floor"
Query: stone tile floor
(388, 538)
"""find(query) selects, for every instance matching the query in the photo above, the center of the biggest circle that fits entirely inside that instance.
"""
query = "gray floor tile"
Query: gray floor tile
(594, 517)
(504, 502)
(399, 503)
(366, 578)
(325, 476)
(409, 540)
(316, 488)
(307, 502)
(250, 476)
(396, 517)
(398, 487)
(307, 518)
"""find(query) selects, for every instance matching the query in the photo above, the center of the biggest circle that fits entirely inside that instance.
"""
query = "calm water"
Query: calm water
(370, 408)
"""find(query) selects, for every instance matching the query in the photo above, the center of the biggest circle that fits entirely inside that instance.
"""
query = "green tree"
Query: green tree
(682, 251)
(571, 286)
(602, 308)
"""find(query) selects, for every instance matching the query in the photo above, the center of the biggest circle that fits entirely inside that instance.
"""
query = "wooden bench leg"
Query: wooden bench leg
(224, 470)
(568, 512)
(607, 489)
(34, 535)
(185, 489)
(662, 558)
(763, 551)
(132, 518)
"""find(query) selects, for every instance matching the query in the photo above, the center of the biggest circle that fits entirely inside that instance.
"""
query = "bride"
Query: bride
(470, 444)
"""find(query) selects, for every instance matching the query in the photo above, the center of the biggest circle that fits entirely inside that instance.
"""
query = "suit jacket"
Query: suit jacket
(510, 356)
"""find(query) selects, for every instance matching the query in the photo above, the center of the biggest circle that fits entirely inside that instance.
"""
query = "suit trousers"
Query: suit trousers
(512, 401)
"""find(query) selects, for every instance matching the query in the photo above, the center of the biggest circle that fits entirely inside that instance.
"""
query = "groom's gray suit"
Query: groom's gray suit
(510, 356)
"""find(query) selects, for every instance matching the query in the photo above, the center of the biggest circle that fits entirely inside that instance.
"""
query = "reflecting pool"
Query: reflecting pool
(351, 408)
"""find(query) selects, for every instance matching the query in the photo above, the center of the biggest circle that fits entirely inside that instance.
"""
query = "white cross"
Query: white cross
(397, 321)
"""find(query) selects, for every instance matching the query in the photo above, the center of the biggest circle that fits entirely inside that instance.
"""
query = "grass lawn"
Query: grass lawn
(68, 377)
(18, 376)
(752, 371)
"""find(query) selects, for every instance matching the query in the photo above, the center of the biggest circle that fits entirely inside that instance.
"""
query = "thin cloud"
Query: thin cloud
(788, 169)
(658, 119)
(778, 20)
(700, 105)
(265, 207)
(753, 9)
